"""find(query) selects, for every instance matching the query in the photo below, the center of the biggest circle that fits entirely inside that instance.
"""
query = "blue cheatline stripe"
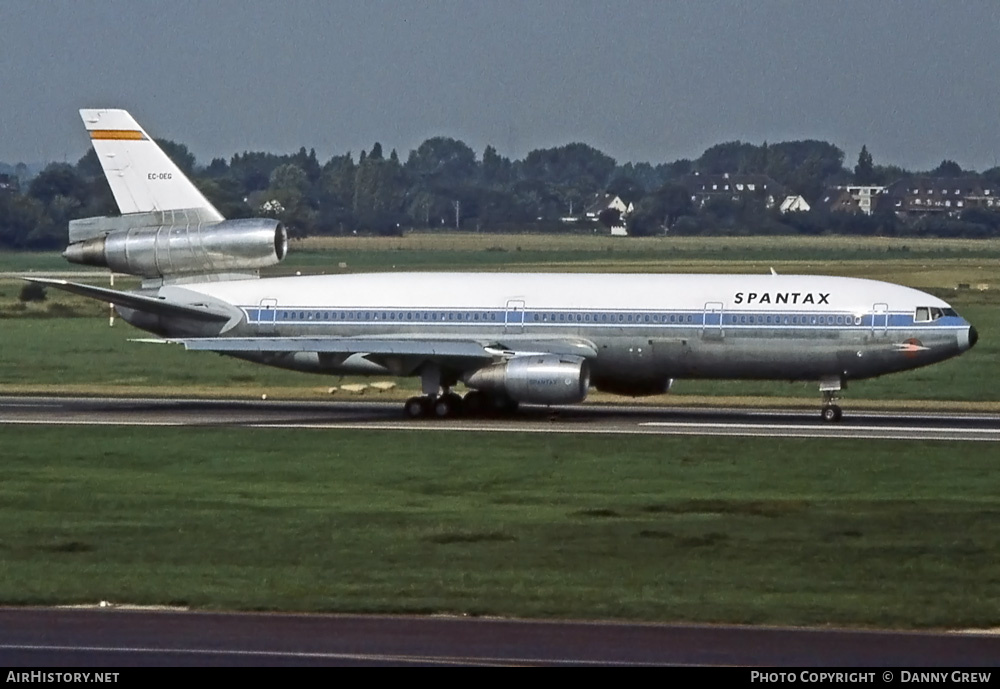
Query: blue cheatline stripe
(547, 318)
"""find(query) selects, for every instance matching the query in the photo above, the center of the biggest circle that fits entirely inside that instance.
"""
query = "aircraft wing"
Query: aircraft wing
(428, 347)
(137, 301)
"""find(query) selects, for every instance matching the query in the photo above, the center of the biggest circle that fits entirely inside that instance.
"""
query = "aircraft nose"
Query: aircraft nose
(973, 336)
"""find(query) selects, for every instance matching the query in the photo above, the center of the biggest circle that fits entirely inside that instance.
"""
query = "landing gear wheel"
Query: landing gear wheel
(416, 407)
(832, 413)
(446, 406)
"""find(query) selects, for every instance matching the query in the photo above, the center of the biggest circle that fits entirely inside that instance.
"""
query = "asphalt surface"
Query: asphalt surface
(122, 639)
(606, 419)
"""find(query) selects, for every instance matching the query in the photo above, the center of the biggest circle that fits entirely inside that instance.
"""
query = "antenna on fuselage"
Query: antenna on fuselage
(773, 271)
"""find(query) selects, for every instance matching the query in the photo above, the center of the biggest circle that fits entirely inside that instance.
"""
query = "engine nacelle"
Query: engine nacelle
(154, 251)
(538, 379)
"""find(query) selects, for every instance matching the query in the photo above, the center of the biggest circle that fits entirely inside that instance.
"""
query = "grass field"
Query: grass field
(701, 529)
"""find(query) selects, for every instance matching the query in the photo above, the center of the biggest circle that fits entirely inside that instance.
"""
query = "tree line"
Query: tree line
(444, 184)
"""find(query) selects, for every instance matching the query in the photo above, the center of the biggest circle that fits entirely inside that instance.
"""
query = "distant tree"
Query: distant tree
(217, 168)
(627, 187)
(289, 177)
(20, 216)
(643, 176)
(179, 153)
(864, 171)
(308, 163)
(443, 161)
(89, 166)
(671, 171)
(574, 165)
(58, 179)
(376, 153)
(731, 156)
(887, 174)
(658, 211)
(253, 169)
(993, 175)
(947, 168)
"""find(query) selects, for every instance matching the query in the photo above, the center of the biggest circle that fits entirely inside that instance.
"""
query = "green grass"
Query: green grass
(701, 529)
(471, 251)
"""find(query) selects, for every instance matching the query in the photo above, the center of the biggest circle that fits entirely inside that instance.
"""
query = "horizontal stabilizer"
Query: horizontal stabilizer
(138, 302)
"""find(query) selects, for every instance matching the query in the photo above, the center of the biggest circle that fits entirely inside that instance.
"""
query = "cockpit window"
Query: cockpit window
(931, 313)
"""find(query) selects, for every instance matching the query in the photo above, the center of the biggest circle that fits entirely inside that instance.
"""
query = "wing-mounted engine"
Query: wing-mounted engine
(172, 244)
(538, 379)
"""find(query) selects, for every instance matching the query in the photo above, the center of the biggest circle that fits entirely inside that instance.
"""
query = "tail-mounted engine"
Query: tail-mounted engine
(176, 243)
(539, 379)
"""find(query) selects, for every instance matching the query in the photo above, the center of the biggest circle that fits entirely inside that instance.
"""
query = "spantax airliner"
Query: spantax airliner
(507, 338)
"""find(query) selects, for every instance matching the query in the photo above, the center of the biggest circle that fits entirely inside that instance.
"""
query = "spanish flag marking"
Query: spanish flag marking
(117, 134)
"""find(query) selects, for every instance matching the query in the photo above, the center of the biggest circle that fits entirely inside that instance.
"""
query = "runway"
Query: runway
(604, 419)
(118, 639)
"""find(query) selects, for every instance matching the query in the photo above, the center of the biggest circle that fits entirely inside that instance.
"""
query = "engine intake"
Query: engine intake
(154, 251)
(539, 379)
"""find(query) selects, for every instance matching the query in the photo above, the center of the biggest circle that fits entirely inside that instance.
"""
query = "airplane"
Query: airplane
(509, 338)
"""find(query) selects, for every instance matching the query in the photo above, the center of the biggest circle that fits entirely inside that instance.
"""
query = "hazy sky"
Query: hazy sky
(917, 81)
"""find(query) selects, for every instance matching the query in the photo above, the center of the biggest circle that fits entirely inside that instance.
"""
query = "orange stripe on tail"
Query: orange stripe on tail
(117, 135)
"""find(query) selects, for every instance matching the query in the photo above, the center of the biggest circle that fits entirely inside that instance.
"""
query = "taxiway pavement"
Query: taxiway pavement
(606, 419)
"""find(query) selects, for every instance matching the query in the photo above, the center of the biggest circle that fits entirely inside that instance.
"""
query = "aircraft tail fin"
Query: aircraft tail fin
(142, 178)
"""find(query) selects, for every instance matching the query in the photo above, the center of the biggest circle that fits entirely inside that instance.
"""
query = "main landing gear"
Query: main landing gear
(450, 405)
(830, 387)
(439, 402)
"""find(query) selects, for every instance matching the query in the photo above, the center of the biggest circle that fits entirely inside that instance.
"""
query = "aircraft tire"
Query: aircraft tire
(416, 407)
(446, 406)
(832, 413)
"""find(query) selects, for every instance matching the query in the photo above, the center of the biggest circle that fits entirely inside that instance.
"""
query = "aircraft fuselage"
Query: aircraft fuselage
(645, 329)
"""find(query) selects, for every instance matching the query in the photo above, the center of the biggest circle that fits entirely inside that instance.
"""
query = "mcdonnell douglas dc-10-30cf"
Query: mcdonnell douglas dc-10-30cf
(509, 338)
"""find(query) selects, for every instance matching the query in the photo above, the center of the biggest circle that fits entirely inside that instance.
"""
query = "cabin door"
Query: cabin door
(514, 316)
(880, 320)
(711, 324)
(266, 316)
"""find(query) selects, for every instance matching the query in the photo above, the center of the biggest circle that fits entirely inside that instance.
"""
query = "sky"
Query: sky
(917, 81)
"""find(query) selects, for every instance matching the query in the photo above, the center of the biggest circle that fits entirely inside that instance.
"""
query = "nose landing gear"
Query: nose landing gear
(830, 387)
